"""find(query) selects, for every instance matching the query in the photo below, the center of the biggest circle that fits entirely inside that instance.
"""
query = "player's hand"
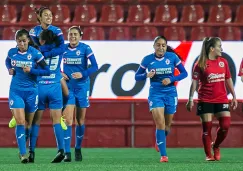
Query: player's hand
(77, 75)
(234, 103)
(189, 105)
(11, 71)
(65, 76)
(151, 73)
(166, 81)
(26, 69)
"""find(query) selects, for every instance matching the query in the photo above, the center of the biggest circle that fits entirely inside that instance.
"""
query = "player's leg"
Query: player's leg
(12, 122)
(223, 116)
(156, 106)
(68, 115)
(65, 95)
(55, 106)
(205, 111)
(16, 104)
(82, 102)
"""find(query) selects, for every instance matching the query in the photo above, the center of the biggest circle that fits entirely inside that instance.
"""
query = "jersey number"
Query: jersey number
(53, 62)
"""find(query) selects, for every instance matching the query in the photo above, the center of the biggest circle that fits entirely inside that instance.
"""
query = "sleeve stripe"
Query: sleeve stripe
(178, 63)
(142, 67)
(60, 34)
(40, 59)
(90, 54)
(32, 35)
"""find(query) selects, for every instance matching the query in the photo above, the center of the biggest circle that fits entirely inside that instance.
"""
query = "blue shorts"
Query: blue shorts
(50, 95)
(27, 100)
(167, 102)
(80, 96)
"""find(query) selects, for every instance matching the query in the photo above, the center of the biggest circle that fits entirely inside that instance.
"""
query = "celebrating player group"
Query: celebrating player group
(38, 83)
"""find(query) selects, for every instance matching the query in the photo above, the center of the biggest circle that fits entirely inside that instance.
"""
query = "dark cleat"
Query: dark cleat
(24, 159)
(59, 157)
(67, 157)
(78, 155)
(31, 157)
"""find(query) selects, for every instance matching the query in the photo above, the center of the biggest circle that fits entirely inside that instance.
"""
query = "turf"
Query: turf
(126, 159)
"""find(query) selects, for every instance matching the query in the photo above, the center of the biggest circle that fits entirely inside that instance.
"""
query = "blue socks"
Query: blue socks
(33, 137)
(161, 141)
(58, 131)
(68, 139)
(20, 137)
(79, 134)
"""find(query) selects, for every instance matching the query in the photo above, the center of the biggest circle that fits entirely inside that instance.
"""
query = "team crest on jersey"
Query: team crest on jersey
(195, 74)
(29, 57)
(150, 103)
(64, 60)
(221, 64)
(32, 31)
(78, 52)
(13, 63)
(11, 102)
(167, 61)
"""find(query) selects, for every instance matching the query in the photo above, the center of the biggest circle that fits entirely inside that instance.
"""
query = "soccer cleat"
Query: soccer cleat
(59, 157)
(164, 159)
(67, 157)
(12, 123)
(156, 147)
(216, 152)
(78, 155)
(24, 159)
(31, 157)
(63, 124)
(210, 158)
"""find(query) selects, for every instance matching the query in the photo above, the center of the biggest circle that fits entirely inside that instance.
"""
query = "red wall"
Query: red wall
(110, 124)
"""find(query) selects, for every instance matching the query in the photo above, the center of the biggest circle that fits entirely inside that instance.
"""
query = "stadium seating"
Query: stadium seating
(166, 14)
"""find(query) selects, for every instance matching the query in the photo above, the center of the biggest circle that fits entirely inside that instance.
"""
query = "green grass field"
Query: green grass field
(126, 159)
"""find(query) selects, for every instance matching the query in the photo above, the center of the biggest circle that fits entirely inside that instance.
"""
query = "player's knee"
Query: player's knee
(20, 121)
(160, 124)
(80, 122)
(69, 121)
(224, 123)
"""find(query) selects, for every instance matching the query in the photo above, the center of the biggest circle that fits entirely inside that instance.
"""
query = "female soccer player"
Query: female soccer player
(162, 93)
(23, 93)
(212, 73)
(75, 60)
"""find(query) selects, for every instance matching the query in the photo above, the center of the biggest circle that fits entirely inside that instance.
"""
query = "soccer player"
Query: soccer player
(162, 98)
(50, 93)
(23, 93)
(212, 73)
(241, 71)
(76, 71)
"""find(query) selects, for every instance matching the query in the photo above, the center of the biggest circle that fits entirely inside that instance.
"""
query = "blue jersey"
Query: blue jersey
(76, 60)
(55, 71)
(35, 32)
(24, 81)
(164, 68)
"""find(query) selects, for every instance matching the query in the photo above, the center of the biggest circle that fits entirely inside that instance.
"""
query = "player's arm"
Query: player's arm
(93, 68)
(43, 70)
(241, 71)
(141, 73)
(58, 49)
(183, 73)
(8, 63)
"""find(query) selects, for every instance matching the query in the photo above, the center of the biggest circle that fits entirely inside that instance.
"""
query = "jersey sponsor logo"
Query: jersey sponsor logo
(216, 77)
(195, 74)
(64, 60)
(221, 64)
(32, 31)
(11, 102)
(21, 63)
(150, 103)
(73, 61)
(163, 70)
(49, 77)
(78, 52)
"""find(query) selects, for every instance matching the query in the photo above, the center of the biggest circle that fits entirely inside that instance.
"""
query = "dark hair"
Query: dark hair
(22, 32)
(208, 42)
(48, 36)
(40, 11)
(169, 48)
(77, 28)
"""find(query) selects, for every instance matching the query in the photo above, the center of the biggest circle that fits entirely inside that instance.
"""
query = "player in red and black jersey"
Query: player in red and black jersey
(212, 74)
(241, 71)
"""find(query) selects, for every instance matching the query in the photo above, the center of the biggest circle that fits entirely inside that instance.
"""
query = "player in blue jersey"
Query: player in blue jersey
(162, 93)
(76, 71)
(23, 94)
(50, 93)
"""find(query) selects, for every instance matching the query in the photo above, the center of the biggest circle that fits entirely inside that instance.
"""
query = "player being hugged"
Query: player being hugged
(23, 94)
(162, 93)
(212, 74)
(77, 72)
